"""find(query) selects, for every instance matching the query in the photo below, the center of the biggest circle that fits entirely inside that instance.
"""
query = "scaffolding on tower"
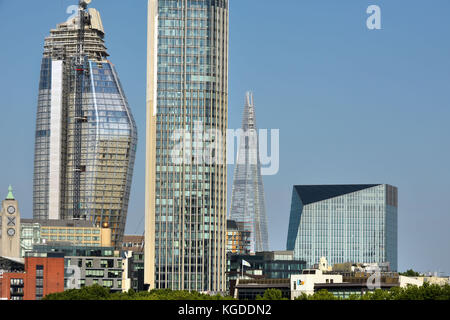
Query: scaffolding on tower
(80, 72)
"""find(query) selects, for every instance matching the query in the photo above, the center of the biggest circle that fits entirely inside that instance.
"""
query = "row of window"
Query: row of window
(71, 231)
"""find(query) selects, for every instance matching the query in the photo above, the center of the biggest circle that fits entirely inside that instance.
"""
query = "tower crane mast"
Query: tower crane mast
(80, 72)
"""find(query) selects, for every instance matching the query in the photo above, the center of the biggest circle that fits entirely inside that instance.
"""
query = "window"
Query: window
(16, 282)
(107, 283)
(39, 271)
(39, 282)
(114, 274)
(95, 273)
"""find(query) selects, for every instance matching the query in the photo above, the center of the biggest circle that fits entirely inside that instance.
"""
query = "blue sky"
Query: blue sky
(352, 105)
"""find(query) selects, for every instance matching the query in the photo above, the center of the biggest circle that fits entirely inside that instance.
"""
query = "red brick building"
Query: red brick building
(41, 276)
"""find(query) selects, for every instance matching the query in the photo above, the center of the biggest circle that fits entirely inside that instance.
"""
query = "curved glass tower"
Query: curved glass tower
(187, 96)
(85, 133)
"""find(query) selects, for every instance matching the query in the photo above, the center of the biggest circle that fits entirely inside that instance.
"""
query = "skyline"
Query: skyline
(377, 64)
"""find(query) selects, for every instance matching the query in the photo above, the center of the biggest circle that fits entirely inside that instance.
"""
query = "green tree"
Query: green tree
(322, 294)
(97, 292)
(271, 294)
(378, 294)
(354, 296)
(94, 292)
(411, 292)
(303, 296)
(410, 273)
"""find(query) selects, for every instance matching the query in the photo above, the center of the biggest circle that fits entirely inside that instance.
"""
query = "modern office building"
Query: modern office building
(133, 271)
(343, 284)
(133, 263)
(309, 278)
(344, 223)
(10, 227)
(238, 240)
(267, 265)
(86, 266)
(75, 232)
(133, 243)
(186, 172)
(85, 133)
(36, 278)
(247, 200)
(251, 289)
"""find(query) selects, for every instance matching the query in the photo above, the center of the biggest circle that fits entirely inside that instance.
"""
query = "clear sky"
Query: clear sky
(352, 105)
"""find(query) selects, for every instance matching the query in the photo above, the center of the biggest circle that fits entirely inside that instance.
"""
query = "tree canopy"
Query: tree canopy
(410, 273)
(97, 292)
(272, 294)
(425, 292)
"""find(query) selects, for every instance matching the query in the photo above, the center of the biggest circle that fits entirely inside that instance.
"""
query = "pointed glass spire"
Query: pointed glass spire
(248, 201)
(10, 195)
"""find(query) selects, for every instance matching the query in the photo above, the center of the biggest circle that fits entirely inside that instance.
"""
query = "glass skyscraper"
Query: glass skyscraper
(248, 205)
(106, 133)
(187, 97)
(344, 223)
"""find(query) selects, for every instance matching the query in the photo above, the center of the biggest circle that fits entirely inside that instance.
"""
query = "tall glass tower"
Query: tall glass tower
(187, 96)
(344, 223)
(248, 202)
(85, 133)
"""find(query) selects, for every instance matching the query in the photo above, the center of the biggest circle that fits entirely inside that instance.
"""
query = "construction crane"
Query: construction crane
(79, 71)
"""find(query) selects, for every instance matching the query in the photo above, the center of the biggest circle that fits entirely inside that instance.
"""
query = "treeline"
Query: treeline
(425, 292)
(97, 292)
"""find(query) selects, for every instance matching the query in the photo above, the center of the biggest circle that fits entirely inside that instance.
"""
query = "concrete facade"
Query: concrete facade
(305, 283)
(10, 227)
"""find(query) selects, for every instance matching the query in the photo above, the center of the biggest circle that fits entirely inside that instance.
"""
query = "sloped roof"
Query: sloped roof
(315, 193)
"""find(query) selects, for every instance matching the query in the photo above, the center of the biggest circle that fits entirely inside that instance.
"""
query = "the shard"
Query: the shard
(248, 202)
(85, 133)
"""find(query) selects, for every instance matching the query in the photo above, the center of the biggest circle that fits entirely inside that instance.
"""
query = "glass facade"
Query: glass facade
(36, 232)
(188, 93)
(353, 223)
(30, 234)
(248, 205)
(108, 134)
(271, 264)
(238, 240)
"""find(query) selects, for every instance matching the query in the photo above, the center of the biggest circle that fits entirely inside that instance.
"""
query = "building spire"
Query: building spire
(249, 98)
(10, 195)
